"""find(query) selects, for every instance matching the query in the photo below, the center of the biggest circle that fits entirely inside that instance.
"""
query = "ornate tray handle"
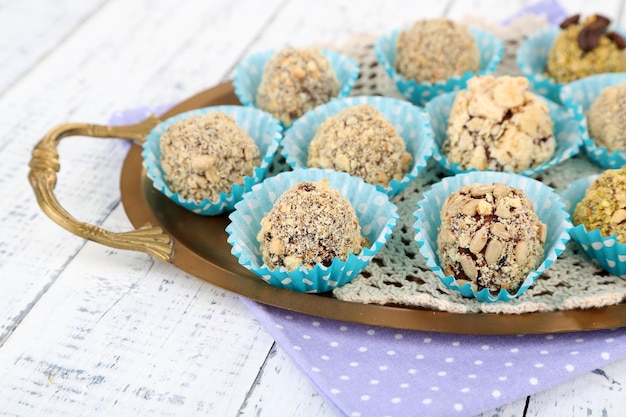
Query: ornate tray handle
(45, 164)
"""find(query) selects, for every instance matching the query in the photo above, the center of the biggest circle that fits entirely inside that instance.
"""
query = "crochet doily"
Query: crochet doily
(398, 275)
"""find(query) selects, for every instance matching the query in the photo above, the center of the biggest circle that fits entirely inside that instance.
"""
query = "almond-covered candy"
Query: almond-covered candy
(498, 124)
(490, 236)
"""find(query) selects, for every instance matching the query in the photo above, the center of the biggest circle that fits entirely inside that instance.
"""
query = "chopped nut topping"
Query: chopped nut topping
(202, 156)
(491, 250)
(498, 124)
(294, 81)
(310, 223)
(419, 51)
(604, 205)
(359, 140)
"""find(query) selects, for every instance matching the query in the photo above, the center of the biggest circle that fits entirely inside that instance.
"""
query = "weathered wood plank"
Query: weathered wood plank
(302, 22)
(121, 334)
(493, 10)
(599, 393)
(279, 376)
(158, 53)
(94, 332)
(31, 29)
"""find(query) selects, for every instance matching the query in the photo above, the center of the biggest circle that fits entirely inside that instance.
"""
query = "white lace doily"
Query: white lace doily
(399, 275)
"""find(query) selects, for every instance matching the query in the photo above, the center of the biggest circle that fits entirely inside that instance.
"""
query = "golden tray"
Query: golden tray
(197, 244)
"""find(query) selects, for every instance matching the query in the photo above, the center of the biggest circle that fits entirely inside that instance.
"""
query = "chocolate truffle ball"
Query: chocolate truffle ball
(310, 223)
(203, 156)
(359, 140)
(606, 118)
(436, 49)
(604, 205)
(497, 124)
(490, 236)
(294, 81)
(583, 49)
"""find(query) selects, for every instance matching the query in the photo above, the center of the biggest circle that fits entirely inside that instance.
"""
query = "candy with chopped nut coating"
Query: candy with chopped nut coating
(490, 236)
(294, 81)
(204, 155)
(604, 205)
(585, 48)
(498, 124)
(419, 51)
(359, 140)
(311, 223)
(606, 118)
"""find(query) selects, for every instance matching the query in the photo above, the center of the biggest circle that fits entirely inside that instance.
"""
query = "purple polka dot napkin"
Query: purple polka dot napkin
(550, 9)
(368, 371)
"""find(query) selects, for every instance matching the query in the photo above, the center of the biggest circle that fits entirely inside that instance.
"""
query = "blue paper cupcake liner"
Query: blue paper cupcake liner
(377, 217)
(578, 97)
(604, 251)
(567, 133)
(490, 47)
(249, 72)
(549, 208)
(262, 128)
(409, 121)
(531, 58)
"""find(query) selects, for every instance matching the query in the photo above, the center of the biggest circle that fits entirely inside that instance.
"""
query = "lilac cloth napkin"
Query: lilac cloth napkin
(367, 371)
(550, 9)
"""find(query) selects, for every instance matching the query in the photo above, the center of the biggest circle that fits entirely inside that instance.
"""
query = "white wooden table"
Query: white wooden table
(88, 330)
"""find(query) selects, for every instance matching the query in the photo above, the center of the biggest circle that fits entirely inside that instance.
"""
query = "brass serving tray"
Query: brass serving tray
(198, 246)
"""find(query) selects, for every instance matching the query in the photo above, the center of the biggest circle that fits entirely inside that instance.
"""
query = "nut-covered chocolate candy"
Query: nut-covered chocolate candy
(498, 124)
(604, 205)
(294, 81)
(585, 48)
(359, 140)
(310, 223)
(606, 118)
(490, 236)
(435, 50)
(203, 156)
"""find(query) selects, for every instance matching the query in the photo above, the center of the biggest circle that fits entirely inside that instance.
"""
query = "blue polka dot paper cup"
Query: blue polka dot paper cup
(262, 128)
(567, 133)
(377, 217)
(548, 206)
(604, 251)
(578, 97)
(249, 72)
(409, 121)
(490, 47)
(531, 59)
